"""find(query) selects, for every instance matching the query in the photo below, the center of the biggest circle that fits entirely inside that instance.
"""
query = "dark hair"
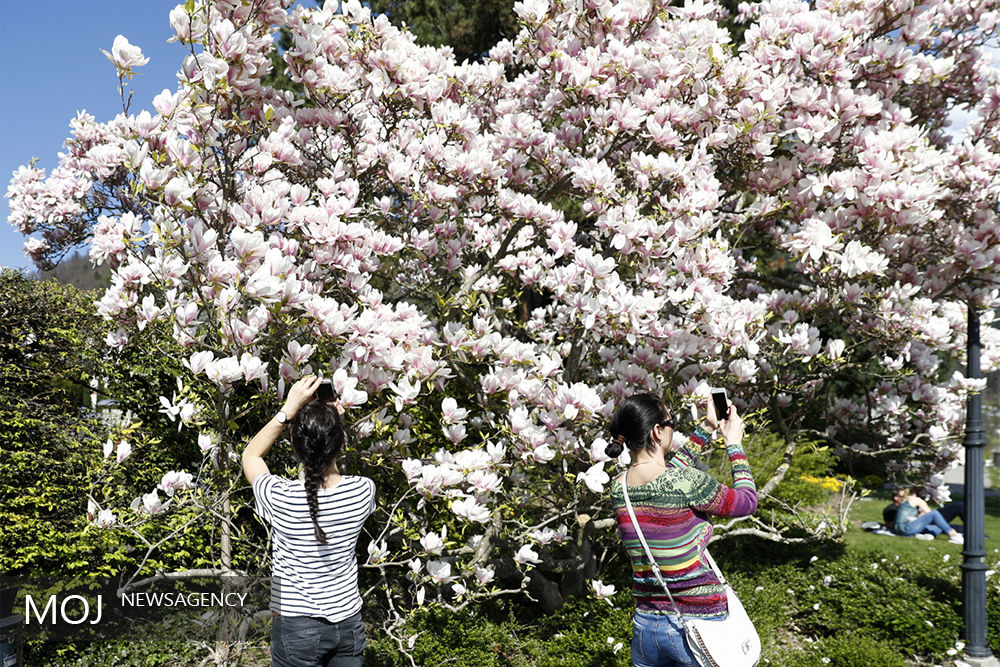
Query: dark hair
(318, 436)
(633, 422)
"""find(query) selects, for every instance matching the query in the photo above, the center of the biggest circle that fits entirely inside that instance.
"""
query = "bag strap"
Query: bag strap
(649, 552)
(645, 545)
(715, 568)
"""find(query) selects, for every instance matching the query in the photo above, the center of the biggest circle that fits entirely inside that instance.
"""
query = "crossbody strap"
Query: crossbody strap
(649, 552)
(715, 568)
(645, 545)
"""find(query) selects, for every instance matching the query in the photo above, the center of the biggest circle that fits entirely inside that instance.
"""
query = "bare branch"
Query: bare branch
(181, 575)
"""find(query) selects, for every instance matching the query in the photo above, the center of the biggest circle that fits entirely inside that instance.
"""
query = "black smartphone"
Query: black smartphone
(721, 404)
(325, 392)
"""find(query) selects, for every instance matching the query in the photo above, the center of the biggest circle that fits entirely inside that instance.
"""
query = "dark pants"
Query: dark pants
(952, 510)
(307, 641)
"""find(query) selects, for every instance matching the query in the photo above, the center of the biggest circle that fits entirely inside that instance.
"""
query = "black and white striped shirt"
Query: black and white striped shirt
(309, 578)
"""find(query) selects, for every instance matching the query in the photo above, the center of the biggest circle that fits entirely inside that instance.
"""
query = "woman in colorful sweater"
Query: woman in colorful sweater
(672, 500)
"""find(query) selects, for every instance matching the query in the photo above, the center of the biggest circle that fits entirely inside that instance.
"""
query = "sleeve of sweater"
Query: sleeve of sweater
(709, 496)
(685, 457)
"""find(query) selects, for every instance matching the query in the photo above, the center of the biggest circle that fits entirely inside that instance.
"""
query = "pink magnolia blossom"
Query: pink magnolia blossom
(643, 207)
(440, 571)
(176, 480)
(432, 543)
(151, 503)
(470, 510)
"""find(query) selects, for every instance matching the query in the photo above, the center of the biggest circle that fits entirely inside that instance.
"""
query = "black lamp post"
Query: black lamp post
(974, 552)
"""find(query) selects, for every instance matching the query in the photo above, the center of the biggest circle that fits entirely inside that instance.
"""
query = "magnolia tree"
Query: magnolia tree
(487, 257)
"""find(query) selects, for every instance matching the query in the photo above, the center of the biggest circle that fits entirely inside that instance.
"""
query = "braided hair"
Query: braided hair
(633, 422)
(318, 436)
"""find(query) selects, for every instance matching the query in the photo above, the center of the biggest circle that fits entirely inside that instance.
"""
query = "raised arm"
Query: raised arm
(253, 455)
(687, 456)
(741, 498)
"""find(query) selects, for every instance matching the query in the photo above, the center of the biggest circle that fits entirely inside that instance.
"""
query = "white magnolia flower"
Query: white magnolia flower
(198, 361)
(174, 409)
(468, 508)
(125, 56)
(176, 480)
(151, 502)
(602, 590)
(377, 551)
(484, 575)
(439, 571)
(451, 413)
(597, 453)
(124, 449)
(595, 478)
(205, 443)
(432, 543)
(526, 555)
(543, 536)
(105, 519)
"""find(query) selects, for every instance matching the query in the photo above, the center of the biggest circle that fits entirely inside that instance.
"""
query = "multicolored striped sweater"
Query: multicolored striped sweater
(673, 511)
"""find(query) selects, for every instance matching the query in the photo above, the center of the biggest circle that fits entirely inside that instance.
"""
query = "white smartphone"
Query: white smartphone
(721, 404)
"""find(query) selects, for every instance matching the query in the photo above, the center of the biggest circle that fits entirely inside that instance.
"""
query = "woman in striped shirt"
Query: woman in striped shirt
(315, 525)
(673, 499)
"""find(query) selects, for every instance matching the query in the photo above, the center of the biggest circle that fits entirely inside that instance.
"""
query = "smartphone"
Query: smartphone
(325, 392)
(721, 403)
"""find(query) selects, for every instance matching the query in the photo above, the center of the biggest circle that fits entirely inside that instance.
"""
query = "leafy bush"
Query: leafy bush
(842, 651)
(583, 632)
(122, 654)
(806, 482)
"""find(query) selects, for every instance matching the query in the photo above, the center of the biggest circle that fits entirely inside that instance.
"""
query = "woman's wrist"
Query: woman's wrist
(705, 433)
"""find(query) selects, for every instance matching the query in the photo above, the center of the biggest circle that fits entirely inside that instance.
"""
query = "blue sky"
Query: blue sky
(51, 66)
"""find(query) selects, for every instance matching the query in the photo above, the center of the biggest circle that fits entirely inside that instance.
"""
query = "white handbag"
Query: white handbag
(732, 642)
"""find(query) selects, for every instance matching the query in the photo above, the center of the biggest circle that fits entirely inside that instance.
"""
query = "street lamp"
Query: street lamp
(974, 552)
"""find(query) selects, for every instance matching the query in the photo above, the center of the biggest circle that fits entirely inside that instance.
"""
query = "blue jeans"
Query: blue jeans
(658, 641)
(307, 641)
(933, 522)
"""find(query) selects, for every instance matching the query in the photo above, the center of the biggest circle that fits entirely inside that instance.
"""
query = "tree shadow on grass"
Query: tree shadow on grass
(745, 553)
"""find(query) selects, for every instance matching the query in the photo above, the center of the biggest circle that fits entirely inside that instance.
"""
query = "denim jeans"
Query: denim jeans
(658, 640)
(932, 522)
(307, 641)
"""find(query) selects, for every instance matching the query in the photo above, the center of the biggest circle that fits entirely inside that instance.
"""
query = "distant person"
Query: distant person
(952, 511)
(915, 518)
(315, 526)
